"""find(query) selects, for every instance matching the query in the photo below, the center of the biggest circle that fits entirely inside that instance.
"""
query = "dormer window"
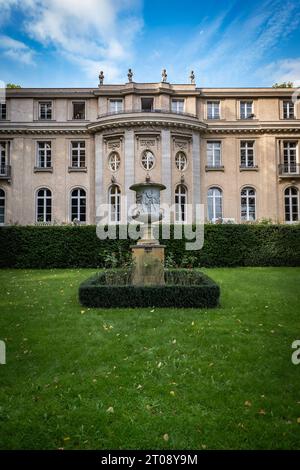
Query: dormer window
(79, 110)
(246, 109)
(147, 104)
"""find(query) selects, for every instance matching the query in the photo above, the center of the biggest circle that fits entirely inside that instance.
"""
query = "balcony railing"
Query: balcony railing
(5, 171)
(139, 111)
(289, 169)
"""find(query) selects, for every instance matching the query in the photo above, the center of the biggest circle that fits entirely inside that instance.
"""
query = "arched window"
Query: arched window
(114, 196)
(214, 204)
(43, 205)
(248, 204)
(148, 160)
(181, 161)
(2, 206)
(78, 205)
(180, 203)
(114, 161)
(291, 204)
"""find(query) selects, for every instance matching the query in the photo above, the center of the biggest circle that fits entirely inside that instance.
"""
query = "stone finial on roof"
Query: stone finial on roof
(130, 75)
(101, 78)
(164, 76)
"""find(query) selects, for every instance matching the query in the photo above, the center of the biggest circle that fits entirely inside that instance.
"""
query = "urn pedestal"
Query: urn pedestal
(148, 255)
(148, 269)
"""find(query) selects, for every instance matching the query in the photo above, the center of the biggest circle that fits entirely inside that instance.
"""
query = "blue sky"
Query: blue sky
(65, 43)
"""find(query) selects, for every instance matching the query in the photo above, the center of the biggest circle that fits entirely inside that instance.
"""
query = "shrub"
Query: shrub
(184, 288)
(78, 246)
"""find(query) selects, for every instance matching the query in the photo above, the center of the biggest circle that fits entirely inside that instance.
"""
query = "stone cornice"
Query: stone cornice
(27, 130)
(177, 123)
(148, 88)
(151, 120)
(246, 92)
(261, 128)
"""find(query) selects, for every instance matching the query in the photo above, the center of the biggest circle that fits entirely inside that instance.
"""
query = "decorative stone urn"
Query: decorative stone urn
(148, 254)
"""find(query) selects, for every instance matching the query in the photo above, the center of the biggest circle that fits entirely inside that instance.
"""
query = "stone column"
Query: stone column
(166, 169)
(196, 172)
(99, 187)
(129, 167)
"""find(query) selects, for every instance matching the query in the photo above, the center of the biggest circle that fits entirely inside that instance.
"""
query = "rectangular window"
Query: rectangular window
(78, 154)
(115, 106)
(213, 110)
(3, 115)
(43, 155)
(147, 104)
(246, 109)
(288, 110)
(177, 106)
(290, 157)
(213, 154)
(79, 110)
(247, 154)
(45, 110)
(4, 159)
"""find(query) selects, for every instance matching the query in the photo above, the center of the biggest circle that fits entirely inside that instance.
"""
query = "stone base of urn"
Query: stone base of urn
(148, 264)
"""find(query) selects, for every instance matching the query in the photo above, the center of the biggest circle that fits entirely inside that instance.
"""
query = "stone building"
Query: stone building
(65, 152)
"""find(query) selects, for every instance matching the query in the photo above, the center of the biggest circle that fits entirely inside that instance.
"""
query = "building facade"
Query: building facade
(65, 152)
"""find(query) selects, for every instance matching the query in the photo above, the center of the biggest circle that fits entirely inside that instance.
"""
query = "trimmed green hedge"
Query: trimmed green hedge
(224, 245)
(186, 288)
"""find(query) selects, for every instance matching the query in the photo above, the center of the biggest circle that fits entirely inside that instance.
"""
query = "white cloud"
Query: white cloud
(87, 32)
(16, 50)
(229, 52)
(287, 70)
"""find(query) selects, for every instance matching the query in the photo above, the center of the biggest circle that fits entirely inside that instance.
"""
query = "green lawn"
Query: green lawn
(189, 379)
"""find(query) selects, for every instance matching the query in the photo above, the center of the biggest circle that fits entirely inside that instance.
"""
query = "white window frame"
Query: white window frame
(79, 198)
(114, 161)
(181, 200)
(178, 105)
(215, 109)
(290, 164)
(217, 194)
(44, 197)
(115, 109)
(247, 196)
(114, 204)
(244, 146)
(290, 198)
(214, 153)
(3, 198)
(244, 113)
(41, 152)
(4, 156)
(75, 150)
(181, 161)
(290, 109)
(40, 104)
(148, 158)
